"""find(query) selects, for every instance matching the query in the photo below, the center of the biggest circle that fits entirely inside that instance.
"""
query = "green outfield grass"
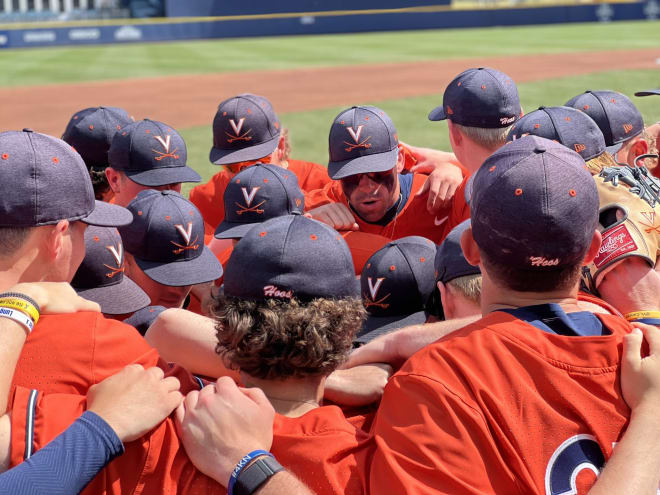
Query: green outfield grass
(91, 63)
(309, 130)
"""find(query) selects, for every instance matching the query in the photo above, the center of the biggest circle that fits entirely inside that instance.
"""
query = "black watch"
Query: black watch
(256, 474)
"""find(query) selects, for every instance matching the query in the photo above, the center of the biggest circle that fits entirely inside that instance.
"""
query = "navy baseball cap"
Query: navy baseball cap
(151, 153)
(566, 125)
(257, 194)
(291, 257)
(648, 92)
(142, 319)
(90, 132)
(167, 240)
(617, 116)
(450, 262)
(44, 181)
(480, 97)
(245, 128)
(397, 282)
(100, 277)
(534, 205)
(362, 140)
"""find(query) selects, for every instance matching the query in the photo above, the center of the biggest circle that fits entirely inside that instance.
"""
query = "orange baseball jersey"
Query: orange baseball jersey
(208, 198)
(362, 245)
(69, 353)
(503, 407)
(413, 219)
(320, 447)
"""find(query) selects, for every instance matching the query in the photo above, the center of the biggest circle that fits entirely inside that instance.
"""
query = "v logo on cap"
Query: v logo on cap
(356, 137)
(237, 131)
(249, 197)
(117, 253)
(373, 290)
(166, 145)
(248, 202)
(186, 234)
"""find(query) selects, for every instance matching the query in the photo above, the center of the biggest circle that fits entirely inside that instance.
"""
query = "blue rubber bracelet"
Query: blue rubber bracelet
(241, 464)
(648, 321)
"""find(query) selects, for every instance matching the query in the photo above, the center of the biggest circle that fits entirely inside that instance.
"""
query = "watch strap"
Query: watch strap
(256, 474)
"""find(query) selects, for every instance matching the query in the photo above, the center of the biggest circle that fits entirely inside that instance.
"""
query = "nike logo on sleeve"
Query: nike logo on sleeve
(439, 222)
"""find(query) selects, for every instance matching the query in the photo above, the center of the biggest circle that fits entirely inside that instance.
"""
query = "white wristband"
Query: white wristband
(18, 317)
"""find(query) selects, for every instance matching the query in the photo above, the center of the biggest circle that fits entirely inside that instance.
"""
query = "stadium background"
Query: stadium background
(311, 77)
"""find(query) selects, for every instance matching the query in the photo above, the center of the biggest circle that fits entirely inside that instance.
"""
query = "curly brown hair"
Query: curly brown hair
(99, 182)
(277, 339)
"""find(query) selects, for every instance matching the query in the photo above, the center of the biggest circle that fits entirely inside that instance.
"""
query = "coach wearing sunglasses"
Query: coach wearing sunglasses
(367, 192)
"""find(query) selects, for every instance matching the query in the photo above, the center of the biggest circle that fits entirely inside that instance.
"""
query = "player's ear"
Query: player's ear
(592, 252)
(400, 160)
(113, 179)
(54, 240)
(470, 248)
(454, 134)
(444, 299)
(638, 147)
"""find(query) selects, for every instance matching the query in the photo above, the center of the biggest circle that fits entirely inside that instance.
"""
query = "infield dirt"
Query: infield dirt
(191, 100)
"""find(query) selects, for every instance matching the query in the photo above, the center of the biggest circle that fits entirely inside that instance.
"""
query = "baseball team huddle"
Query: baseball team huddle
(405, 320)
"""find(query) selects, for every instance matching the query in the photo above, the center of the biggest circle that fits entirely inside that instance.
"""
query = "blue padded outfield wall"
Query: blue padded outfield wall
(177, 8)
(423, 17)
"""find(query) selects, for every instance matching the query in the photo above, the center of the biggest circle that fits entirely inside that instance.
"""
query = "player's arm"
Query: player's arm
(120, 409)
(51, 298)
(445, 175)
(221, 425)
(396, 347)
(634, 467)
(336, 215)
(632, 286)
(189, 340)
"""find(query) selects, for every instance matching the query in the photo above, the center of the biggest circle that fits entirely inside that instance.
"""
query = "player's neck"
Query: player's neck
(495, 297)
(475, 156)
(26, 268)
(292, 397)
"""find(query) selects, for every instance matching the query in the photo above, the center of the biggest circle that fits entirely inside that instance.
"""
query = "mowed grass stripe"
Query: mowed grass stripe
(309, 130)
(94, 63)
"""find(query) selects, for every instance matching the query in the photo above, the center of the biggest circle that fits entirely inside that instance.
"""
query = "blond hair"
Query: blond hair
(598, 163)
(491, 139)
(468, 286)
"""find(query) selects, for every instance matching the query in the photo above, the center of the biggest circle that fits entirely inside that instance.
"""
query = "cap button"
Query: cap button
(27, 129)
(539, 149)
(167, 192)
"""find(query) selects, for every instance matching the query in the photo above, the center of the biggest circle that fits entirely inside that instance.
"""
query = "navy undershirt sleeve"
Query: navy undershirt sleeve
(68, 463)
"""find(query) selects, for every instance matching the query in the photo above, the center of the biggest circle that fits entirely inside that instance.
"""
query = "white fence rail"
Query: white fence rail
(55, 6)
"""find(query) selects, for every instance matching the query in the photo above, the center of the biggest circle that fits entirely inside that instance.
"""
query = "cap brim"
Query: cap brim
(163, 176)
(379, 162)
(614, 148)
(469, 188)
(107, 215)
(223, 157)
(648, 92)
(230, 230)
(375, 326)
(438, 113)
(204, 268)
(142, 319)
(124, 297)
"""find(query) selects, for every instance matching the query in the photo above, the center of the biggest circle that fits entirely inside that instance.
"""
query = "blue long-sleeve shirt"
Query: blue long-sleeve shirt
(68, 463)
